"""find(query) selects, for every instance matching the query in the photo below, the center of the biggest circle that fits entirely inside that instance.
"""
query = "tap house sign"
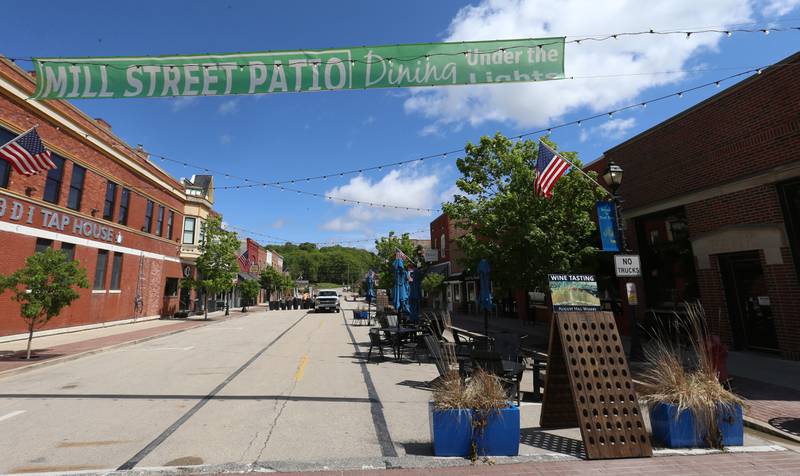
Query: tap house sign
(27, 214)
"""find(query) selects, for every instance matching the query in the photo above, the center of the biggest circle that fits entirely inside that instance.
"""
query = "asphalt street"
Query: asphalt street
(276, 390)
(267, 386)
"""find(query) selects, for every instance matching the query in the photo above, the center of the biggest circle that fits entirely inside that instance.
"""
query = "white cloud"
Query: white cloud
(447, 195)
(369, 120)
(780, 7)
(430, 130)
(182, 102)
(230, 106)
(401, 188)
(612, 129)
(225, 139)
(278, 224)
(537, 104)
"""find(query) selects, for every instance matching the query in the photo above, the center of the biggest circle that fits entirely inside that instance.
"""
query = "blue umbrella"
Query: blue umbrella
(485, 302)
(415, 296)
(400, 295)
(370, 287)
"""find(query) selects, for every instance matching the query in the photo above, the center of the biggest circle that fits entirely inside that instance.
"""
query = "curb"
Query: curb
(67, 358)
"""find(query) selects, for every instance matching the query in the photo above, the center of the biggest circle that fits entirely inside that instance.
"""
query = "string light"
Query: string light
(614, 36)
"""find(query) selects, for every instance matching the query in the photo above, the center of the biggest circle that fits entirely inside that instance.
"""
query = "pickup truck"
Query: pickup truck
(327, 300)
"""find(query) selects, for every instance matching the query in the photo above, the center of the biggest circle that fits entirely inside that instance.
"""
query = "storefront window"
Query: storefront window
(667, 259)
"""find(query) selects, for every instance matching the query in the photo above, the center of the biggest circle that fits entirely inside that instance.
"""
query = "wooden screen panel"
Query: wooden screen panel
(605, 402)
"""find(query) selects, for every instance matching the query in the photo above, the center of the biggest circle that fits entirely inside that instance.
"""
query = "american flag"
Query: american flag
(400, 255)
(243, 263)
(27, 154)
(549, 168)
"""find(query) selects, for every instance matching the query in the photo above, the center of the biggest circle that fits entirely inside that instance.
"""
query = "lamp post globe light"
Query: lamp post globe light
(613, 178)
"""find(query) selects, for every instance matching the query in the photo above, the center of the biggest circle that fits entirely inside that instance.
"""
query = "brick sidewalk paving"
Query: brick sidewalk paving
(778, 406)
(764, 464)
(61, 352)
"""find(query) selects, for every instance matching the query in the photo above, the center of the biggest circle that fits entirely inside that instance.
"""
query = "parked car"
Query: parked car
(327, 300)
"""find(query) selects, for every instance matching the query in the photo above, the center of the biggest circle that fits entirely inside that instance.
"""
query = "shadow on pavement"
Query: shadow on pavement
(553, 443)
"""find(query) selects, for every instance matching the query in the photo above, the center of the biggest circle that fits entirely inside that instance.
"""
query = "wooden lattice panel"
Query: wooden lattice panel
(589, 385)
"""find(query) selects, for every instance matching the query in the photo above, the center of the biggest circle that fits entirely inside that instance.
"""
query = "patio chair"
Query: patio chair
(492, 362)
(376, 341)
(507, 345)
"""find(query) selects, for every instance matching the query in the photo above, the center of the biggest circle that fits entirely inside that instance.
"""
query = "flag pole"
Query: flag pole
(576, 167)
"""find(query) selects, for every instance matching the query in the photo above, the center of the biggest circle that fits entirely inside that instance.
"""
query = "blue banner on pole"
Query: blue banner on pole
(607, 220)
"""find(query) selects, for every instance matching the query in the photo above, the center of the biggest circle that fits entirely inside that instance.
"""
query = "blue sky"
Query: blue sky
(284, 136)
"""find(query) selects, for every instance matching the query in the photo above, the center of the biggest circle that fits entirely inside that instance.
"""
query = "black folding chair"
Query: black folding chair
(375, 340)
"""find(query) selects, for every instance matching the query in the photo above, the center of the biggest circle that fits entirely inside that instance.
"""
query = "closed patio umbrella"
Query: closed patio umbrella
(400, 295)
(485, 302)
(370, 291)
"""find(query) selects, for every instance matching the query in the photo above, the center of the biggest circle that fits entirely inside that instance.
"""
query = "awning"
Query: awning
(247, 276)
(455, 278)
(441, 268)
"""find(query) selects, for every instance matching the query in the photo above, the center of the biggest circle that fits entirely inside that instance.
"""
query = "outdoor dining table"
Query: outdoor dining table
(397, 334)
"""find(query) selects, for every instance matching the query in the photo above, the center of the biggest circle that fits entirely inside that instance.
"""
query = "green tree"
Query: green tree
(249, 290)
(217, 264)
(386, 248)
(44, 287)
(432, 283)
(269, 280)
(523, 235)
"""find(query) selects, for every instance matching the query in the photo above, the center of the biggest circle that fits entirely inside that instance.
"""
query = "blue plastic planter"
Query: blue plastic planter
(678, 431)
(452, 433)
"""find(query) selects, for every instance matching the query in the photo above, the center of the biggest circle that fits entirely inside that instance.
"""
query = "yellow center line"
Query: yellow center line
(301, 368)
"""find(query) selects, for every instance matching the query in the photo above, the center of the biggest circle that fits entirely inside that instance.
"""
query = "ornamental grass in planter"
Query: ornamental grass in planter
(472, 417)
(688, 405)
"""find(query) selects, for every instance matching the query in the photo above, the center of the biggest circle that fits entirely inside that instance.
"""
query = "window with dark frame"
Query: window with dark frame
(148, 217)
(69, 250)
(100, 270)
(116, 271)
(124, 201)
(160, 220)
(170, 222)
(76, 187)
(5, 167)
(110, 201)
(52, 184)
(42, 244)
(188, 230)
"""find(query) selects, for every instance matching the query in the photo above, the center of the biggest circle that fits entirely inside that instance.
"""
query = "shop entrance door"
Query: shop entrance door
(749, 308)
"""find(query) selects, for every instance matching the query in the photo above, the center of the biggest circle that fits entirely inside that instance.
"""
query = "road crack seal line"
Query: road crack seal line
(138, 457)
(278, 414)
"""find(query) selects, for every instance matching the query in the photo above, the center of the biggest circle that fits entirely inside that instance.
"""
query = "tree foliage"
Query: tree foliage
(432, 282)
(386, 248)
(44, 287)
(249, 290)
(217, 264)
(523, 235)
(335, 264)
(270, 280)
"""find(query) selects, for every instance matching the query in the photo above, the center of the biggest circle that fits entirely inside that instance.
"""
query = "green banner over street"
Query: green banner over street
(396, 66)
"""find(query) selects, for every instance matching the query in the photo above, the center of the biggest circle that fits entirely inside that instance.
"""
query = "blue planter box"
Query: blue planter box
(452, 433)
(678, 431)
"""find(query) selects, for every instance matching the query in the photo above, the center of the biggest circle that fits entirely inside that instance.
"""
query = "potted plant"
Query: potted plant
(472, 417)
(688, 405)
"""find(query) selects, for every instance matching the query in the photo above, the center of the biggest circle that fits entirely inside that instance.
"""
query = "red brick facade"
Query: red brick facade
(148, 260)
(723, 163)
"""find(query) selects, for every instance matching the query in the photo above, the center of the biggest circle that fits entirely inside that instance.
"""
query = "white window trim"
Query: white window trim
(99, 291)
(114, 291)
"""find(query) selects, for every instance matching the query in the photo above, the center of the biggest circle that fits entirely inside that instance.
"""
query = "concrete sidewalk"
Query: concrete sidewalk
(54, 348)
(769, 384)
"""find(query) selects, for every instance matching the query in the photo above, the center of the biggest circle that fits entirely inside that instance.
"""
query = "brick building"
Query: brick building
(198, 207)
(712, 205)
(105, 205)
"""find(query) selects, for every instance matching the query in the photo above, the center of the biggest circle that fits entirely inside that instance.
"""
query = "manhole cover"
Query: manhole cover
(789, 425)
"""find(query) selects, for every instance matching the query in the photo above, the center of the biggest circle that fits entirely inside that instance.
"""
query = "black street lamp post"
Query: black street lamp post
(613, 177)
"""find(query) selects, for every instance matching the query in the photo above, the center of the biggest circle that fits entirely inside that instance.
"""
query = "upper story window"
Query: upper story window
(124, 201)
(76, 187)
(170, 222)
(160, 220)
(148, 217)
(5, 166)
(111, 197)
(52, 185)
(441, 246)
(188, 230)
